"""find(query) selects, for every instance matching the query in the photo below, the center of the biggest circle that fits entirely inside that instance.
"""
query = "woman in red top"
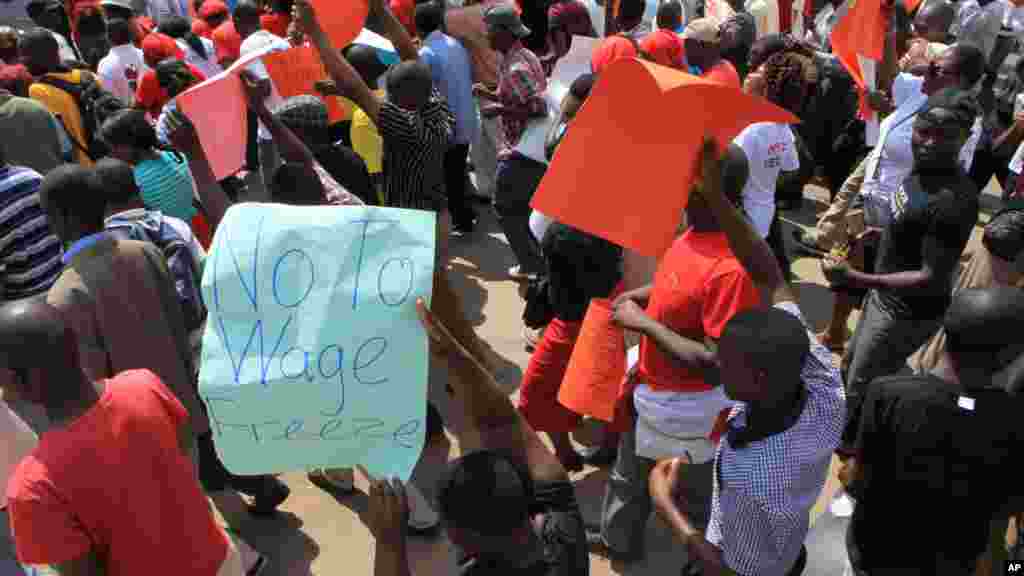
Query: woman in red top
(156, 48)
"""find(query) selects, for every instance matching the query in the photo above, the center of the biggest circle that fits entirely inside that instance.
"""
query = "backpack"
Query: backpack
(94, 104)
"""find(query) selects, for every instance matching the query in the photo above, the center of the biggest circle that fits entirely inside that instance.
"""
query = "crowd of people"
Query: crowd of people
(732, 414)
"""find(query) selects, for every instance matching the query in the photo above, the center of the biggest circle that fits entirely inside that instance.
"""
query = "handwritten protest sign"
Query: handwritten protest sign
(598, 364)
(648, 152)
(313, 355)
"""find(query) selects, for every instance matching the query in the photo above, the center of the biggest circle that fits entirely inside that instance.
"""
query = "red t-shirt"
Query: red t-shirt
(698, 287)
(666, 48)
(201, 28)
(115, 481)
(228, 42)
(151, 96)
(724, 73)
(276, 23)
(405, 11)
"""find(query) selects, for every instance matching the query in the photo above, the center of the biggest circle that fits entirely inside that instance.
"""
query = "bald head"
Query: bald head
(409, 84)
(32, 336)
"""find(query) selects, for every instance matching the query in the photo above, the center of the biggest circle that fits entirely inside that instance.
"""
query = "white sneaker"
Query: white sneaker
(341, 479)
(842, 505)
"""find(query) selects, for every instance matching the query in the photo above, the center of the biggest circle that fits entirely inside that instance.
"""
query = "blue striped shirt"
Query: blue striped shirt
(29, 252)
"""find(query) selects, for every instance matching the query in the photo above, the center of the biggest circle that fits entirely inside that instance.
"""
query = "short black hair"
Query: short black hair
(486, 493)
(429, 17)
(293, 185)
(76, 191)
(118, 181)
(582, 86)
(970, 63)
(410, 77)
(120, 32)
(775, 341)
(670, 15)
(958, 101)
(1004, 233)
(38, 41)
(247, 11)
(632, 9)
(129, 128)
(980, 322)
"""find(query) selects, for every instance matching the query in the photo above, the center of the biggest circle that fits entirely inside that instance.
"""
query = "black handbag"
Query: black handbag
(538, 312)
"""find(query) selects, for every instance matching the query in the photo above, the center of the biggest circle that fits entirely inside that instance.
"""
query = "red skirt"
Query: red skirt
(538, 395)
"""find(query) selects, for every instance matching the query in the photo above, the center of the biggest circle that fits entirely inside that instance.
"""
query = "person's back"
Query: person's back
(31, 136)
(115, 481)
(62, 104)
(452, 74)
(29, 252)
(118, 297)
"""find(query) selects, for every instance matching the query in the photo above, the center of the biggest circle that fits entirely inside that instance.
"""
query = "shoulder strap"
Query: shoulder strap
(75, 90)
(74, 141)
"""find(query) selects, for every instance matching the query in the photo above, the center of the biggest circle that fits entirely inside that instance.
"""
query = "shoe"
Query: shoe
(258, 566)
(599, 456)
(340, 480)
(532, 337)
(517, 273)
(597, 545)
(808, 244)
(692, 568)
(273, 493)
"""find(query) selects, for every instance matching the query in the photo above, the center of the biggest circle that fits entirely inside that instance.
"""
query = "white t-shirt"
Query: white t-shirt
(770, 149)
(120, 71)
(209, 65)
(264, 42)
(16, 441)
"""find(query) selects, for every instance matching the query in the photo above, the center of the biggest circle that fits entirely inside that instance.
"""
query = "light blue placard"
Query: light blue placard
(313, 355)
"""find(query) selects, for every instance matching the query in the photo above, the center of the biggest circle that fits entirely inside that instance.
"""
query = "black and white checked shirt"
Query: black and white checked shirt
(764, 491)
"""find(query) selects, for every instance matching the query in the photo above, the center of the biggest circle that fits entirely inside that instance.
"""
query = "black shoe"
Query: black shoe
(213, 476)
(271, 494)
(599, 456)
(692, 568)
(597, 545)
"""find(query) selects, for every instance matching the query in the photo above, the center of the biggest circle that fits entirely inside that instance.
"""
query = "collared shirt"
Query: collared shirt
(521, 84)
(29, 252)
(415, 143)
(764, 490)
(452, 74)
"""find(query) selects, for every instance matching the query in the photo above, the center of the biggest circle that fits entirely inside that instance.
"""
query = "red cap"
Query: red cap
(666, 48)
(611, 49)
(158, 47)
(14, 78)
(212, 8)
(227, 41)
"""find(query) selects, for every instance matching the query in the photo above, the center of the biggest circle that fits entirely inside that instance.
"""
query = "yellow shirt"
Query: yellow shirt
(62, 105)
(366, 140)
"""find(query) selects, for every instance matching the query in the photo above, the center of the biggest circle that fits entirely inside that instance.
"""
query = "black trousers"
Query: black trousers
(455, 185)
(987, 164)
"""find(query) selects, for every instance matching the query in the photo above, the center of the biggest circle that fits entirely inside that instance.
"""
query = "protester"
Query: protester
(703, 40)
(163, 10)
(164, 178)
(664, 46)
(739, 32)
(933, 212)
(612, 49)
(946, 436)
(122, 68)
(158, 47)
(366, 139)
(306, 118)
(566, 18)
(519, 97)
(42, 57)
(29, 252)
(996, 262)
(226, 39)
(630, 21)
(1002, 129)
(277, 17)
(978, 23)
(60, 514)
(774, 456)
(8, 44)
(676, 395)
(199, 52)
(34, 137)
(18, 441)
(50, 15)
(452, 76)
(130, 10)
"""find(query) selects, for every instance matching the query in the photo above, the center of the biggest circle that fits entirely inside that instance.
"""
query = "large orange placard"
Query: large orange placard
(625, 167)
(295, 73)
(341, 19)
(598, 365)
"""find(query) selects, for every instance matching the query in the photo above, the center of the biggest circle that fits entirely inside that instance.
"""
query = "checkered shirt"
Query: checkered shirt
(764, 491)
(521, 83)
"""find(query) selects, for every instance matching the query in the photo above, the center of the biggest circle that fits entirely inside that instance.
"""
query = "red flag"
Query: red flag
(860, 31)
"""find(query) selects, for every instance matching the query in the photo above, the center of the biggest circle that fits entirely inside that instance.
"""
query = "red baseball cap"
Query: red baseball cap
(158, 47)
(664, 47)
(227, 41)
(611, 49)
(212, 8)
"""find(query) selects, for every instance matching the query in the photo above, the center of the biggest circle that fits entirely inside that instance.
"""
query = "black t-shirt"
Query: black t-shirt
(580, 267)
(349, 170)
(1004, 91)
(938, 463)
(939, 223)
(561, 532)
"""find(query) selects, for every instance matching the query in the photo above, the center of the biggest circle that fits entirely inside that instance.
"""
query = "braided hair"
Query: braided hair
(175, 76)
(788, 77)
